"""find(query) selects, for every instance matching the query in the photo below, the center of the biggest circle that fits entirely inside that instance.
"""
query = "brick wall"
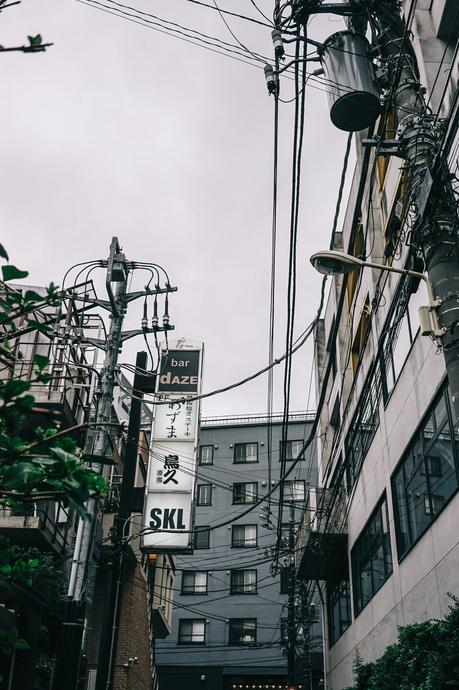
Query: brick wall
(133, 632)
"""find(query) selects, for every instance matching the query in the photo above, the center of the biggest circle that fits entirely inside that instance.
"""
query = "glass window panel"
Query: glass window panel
(294, 490)
(243, 581)
(206, 455)
(192, 631)
(427, 476)
(244, 535)
(201, 537)
(194, 582)
(246, 492)
(291, 449)
(204, 495)
(245, 452)
(371, 557)
(242, 630)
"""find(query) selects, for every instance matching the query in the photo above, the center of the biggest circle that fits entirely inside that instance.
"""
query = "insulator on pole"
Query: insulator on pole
(271, 81)
(278, 43)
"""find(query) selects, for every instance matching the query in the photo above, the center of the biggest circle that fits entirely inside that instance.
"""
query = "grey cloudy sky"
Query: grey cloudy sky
(120, 130)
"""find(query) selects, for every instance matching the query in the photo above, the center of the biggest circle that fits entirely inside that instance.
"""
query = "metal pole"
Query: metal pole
(109, 630)
(103, 416)
(291, 633)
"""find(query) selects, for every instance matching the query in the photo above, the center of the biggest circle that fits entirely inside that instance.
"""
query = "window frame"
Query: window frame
(182, 623)
(283, 457)
(234, 588)
(202, 529)
(245, 502)
(245, 461)
(199, 501)
(370, 550)
(425, 471)
(206, 445)
(335, 595)
(243, 546)
(187, 592)
(241, 621)
(291, 483)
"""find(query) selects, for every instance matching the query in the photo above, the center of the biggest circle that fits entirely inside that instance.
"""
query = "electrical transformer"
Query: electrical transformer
(351, 87)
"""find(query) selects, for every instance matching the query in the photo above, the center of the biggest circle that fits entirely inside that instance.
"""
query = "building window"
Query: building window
(371, 557)
(358, 250)
(243, 582)
(360, 337)
(192, 631)
(201, 537)
(206, 455)
(245, 452)
(401, 331)
(339, 609)
(204, 495)
(283, 581)
(427, 476)
(194, 582)
(290, 450)
(245, 493)
(294, 490)
(242, 631)
(362, 429)
(244, 536)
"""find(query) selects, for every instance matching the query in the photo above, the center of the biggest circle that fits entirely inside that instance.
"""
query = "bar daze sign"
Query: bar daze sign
(173, 452)
(179, 372)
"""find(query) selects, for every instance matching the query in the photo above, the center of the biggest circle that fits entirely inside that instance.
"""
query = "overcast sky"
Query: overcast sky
(121, 130)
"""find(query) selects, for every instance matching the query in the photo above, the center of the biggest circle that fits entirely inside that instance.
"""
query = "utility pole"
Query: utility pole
(104, 409)
(291, 627)
(109, 631)
(118, 269)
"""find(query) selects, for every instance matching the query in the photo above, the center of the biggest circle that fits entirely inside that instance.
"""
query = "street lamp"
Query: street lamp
(332, 262)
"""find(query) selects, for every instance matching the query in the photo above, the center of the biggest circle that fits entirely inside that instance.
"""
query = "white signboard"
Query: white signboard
(167, 518)
(167, 512)
(176, 421)
(172, 466)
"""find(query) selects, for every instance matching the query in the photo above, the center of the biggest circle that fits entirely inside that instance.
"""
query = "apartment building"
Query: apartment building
(379, 530)
(230, 615)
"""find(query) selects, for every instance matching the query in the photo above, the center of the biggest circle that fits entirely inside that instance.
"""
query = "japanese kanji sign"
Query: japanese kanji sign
(171, 467)
(172, 463)
(176, 420)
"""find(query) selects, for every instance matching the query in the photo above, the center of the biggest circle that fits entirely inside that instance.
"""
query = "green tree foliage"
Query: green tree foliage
(50, 466)
(42, 464)
(426, 657)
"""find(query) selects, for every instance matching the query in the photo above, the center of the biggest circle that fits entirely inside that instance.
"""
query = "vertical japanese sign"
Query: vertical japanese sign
(173, 450)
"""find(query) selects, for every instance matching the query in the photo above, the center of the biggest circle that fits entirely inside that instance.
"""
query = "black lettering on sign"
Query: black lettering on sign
(172, 518)
(179, 372)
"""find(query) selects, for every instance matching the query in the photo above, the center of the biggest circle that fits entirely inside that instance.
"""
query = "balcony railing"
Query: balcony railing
(236, 420)
(46, 525)
(322, 537)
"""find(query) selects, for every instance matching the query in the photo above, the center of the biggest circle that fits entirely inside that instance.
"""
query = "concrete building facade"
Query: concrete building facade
(389, 463)
(230, 612)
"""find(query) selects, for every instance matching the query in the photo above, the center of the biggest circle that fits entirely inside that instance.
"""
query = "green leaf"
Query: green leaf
(41, 361)
(32, 296)
(22, 476)
(12, 273)
(3, 253)
(35, 41)
(21, 644)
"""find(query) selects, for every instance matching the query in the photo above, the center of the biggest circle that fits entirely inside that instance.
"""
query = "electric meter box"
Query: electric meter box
(351, 86)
